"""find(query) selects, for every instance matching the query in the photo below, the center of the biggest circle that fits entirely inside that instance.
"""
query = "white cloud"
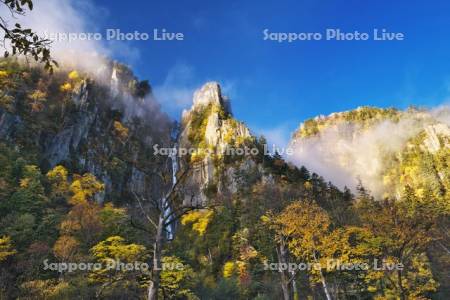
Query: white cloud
(51, 17)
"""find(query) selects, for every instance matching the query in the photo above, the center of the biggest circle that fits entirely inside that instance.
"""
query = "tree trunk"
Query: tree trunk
(152, 293)
(324, 284)
(294, 286)
(400, 285)
(322, 279)
(282, 254)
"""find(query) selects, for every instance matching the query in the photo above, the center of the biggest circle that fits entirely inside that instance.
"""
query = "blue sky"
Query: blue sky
(274, 86)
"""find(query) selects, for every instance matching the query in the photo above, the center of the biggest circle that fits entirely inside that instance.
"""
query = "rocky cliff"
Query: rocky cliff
(220, 145)
(386, 150)
(105, 124)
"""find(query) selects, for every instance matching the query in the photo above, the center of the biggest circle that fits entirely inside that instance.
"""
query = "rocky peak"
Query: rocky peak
(210, 120)
(210, 129)
(210, 93)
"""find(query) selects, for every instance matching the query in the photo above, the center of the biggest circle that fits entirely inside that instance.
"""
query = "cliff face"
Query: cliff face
(106, 126)
(437, 137)
(109, 124)
(213, 136)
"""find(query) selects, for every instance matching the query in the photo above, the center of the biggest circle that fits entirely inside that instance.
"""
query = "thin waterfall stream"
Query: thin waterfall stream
(166, 205)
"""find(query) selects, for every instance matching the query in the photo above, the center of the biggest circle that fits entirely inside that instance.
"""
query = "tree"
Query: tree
(160, 214)
(302, 227)
(113, 253)
(6, 248)
(19, 226)
(175, 276)
(57, 178)
(271, 199)
(405, 231)
(24, 41)
(355, 247)
(139, 89)
(114, 221)
(283, 254)
(30, 196)
(121, 131)
(83, 220)
(65, 248)
(37, 100)
(8, 84)
(84, 188)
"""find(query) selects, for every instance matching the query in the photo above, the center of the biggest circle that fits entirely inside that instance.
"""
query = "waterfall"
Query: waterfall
(166, 206)
(173, 157)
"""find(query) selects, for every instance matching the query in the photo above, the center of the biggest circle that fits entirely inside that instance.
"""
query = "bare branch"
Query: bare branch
(169, 194)
(135, 225)
(143, 211)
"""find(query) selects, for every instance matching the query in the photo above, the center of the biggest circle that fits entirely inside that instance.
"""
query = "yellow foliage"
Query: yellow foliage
(84, 188)
(66, 87)
(110, 215)
(198, 155)
(248, 253)
(174, 279)
(83, 222)
(228, 136)
(199, 219)
(6, 248)
(31, 178)
(37, 100)
(239, 140)
(45, 289)
(65, 247)
(266, 219)
(306, 223)
(37, 95)
(308, 185)
(242, 268)
(121, 131)
(3, 74)
(24, 182)
(116, 248)
(73, 75)
(228, 269)
(111, 209)
(420, 192)
(57, 174)
(70, 225)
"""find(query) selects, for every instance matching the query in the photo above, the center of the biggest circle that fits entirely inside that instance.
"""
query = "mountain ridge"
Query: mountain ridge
(373, 137)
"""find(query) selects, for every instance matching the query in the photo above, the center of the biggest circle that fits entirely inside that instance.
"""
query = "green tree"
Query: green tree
(30, 196)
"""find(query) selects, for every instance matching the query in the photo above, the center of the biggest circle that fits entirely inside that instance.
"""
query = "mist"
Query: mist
(347, 154)
(55, 19)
